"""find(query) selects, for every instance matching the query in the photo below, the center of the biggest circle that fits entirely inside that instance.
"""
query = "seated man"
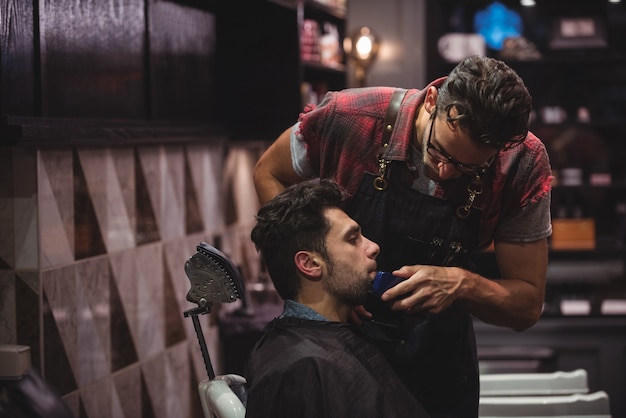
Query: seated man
(310, 362)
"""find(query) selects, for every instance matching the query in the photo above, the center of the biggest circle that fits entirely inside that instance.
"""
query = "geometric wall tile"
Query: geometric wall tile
(167, 380)
(138, 275)
(149, 171)
(193, 216)
(175, 254)
(82, 412)
(172, 221)
(27, 311)
(240, 191)
(116, 404)
(177, 380)
(73, 403)
(105, 191)
(124, 163)
(97, 398)
(26, 238)
(151, 325)
(25, 209)
(61, 315)
(123, 352)
(174, 328)
(88, 236)
(146, 229)
(79, 313)
(147, 408)
(101, 300)
(7, 237)
(8, 331)
(56, 208)
(57, 370)
(58, 165)
(164, 175)
(4, 263)
(205, 164)
(195, 409)
(6, 208)
(127, 387)
(93, 330)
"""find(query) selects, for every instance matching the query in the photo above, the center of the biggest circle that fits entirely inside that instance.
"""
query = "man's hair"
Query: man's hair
(492, 102)
(294, 221)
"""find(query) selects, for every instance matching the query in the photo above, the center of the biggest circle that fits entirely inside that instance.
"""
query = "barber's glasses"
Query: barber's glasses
(441, 156)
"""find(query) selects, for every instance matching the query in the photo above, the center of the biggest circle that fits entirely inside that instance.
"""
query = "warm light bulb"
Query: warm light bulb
(364, 47)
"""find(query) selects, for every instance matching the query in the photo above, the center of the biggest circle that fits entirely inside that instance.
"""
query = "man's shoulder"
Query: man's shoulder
(286, 349)
(291, 332)
(366, 100)
(289, 339)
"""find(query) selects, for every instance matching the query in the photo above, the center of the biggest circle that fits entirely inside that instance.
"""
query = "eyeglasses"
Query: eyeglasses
(441, 156)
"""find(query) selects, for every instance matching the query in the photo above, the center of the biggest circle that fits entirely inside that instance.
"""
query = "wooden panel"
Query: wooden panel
(18, 88)
(92, 57)
(182, 62)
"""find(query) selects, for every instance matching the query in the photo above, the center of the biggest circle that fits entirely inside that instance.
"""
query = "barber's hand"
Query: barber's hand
(359, 314)
(430, 289)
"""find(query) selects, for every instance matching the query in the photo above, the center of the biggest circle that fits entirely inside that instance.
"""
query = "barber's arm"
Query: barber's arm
(274, 170)
(514, 301)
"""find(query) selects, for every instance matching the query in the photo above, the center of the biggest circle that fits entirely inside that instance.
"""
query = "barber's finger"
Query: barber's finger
(407, 271)
(399, 291)
(359, 313)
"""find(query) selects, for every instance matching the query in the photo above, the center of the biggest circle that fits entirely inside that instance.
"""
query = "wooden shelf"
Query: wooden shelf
(44, 132)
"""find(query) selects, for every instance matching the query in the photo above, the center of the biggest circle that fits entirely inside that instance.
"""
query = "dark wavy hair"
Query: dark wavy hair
(294, 221)
(492, 102)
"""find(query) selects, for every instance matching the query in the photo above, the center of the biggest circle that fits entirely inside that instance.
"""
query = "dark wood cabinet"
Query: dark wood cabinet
(240, 65)
(140, 60)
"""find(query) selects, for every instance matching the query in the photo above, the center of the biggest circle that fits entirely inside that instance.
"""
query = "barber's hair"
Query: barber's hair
(492, 102)
(294, 221)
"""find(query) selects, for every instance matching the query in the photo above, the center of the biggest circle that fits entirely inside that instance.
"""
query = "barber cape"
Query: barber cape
(308, 368)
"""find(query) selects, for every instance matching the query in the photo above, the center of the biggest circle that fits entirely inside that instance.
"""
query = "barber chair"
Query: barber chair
(215, 279)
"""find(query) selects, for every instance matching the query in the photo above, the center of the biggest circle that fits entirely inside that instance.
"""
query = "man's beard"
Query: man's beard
(345, 286)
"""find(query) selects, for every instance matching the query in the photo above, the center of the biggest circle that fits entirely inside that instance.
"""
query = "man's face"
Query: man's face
(449, 152)
(351, 266)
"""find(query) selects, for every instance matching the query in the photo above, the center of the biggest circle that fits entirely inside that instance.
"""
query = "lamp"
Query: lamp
(362, 48)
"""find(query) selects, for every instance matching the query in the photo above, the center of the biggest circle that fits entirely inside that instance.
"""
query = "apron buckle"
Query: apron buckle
(380, 183)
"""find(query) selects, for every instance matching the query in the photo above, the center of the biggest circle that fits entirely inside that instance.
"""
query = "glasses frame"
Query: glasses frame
(442, 157)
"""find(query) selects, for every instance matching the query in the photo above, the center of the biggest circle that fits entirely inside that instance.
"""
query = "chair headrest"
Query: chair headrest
(213, 276)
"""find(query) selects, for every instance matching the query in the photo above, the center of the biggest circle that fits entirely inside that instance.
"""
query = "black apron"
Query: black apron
(435, 355)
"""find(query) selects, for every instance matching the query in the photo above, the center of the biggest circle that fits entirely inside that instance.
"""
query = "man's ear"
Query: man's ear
(308, 263)
(430, 101)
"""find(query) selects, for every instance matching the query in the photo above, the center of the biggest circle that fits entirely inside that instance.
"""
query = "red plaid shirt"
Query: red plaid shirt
(343, 136)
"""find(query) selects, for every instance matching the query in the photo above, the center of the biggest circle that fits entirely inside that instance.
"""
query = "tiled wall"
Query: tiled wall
(91, 267)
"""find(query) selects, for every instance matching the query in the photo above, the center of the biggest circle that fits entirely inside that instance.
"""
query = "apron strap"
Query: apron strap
(392, 114)
(380, 182)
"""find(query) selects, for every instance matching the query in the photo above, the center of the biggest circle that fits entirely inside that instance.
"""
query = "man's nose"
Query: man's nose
(374, 249)
(447, 171)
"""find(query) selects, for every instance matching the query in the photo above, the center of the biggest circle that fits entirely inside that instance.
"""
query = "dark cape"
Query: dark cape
(304, 368)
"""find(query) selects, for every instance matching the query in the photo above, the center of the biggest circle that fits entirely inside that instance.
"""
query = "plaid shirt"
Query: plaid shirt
(343, 137)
